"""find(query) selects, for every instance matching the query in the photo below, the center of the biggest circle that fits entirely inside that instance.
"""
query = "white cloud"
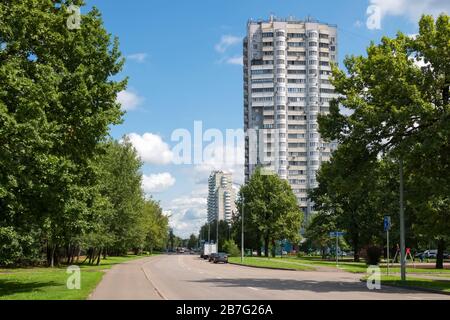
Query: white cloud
(236, 60)
(129, 100)
(227, 41)
(159, 182)
(413, 9)
(151, 148)
(188, 213)
(138, 57)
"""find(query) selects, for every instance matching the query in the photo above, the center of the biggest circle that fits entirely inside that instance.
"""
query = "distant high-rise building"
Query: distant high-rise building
(220, 197)
(287, 64)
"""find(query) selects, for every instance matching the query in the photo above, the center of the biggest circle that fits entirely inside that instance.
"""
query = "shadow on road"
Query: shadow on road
(299, 285)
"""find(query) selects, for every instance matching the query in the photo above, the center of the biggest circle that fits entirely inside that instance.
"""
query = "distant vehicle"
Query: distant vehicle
(427, 254)
(212, 256)
(430, 254)
(208, 249)
(220, 257)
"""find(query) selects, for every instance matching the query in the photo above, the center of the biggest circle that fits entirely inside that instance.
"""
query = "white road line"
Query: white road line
(146, 273)
(253, 288)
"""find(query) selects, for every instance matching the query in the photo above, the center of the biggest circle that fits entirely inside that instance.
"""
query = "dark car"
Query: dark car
(211, 257)
(221, 257)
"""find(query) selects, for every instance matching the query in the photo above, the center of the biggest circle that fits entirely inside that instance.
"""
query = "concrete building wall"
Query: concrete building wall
(287, 64)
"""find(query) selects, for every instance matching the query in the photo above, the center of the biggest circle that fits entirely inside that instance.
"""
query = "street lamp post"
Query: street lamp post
(402, 226)
(209, 232)
(217, 232)
(242, 230)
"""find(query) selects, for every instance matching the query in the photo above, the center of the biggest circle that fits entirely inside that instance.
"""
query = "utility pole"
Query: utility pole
(242, 229)
(217, 232)
(402, 226)
(209, 232)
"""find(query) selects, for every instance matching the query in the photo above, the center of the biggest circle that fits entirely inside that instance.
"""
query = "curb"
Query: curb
(271, 268)
(429, 290)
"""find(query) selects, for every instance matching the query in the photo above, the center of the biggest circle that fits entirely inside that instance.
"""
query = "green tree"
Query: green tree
(272, 209)
(230, 247)
(57, 101)
(193, 242)
(401, 111)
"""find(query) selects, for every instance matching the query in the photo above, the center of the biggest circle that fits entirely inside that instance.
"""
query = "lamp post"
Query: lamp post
(402, 226)
(242, 229)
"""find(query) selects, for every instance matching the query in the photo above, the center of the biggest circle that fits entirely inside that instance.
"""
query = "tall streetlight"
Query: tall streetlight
(209, 232)
(402, 226)
(242, 229)
(217, 232)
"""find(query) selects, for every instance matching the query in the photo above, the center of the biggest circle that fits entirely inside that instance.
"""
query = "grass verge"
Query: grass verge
(441, 286)
(361, 267)
(269, 263)
(50, 283)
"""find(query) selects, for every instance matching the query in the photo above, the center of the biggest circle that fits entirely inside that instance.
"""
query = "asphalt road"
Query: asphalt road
(183, 277)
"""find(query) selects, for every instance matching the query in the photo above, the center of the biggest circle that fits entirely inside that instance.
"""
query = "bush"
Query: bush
(373, 256)
(231, 248)
(10, 248)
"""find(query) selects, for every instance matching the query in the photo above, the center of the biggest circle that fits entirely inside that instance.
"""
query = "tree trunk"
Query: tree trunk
(266, 246)
(356, 248)
(99, 257)
(274, 249)
(440, 254)
(52, 256)
(78, 253)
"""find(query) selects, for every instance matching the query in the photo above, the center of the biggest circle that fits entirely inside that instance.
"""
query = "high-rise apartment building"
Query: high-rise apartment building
(287, 64)
(221, 197)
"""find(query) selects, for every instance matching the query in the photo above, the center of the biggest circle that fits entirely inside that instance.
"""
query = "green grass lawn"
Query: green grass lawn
(269, 263)
(439, 285)
(50, 283)
(361, 267)
(356, 267)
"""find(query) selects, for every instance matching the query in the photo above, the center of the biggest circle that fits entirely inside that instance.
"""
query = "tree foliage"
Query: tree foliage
(398, 109)
(270, 210)
(61, 187)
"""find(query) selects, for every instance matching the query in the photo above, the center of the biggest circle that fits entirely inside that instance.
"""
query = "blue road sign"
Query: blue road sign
(337, 234)
(387, 223)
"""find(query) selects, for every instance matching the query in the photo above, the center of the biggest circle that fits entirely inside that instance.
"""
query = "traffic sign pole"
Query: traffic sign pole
(337, 247)
(387, 236)
(387, 226)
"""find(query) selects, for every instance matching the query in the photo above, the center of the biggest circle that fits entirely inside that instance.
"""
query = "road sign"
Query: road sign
(387, 223)
(337, 234)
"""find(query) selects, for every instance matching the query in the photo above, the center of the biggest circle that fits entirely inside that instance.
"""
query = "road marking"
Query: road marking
(253, 288)
(151, 282)
(218, 278)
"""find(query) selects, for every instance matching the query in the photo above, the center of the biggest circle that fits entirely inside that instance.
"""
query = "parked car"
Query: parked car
(211, 257)
(220, 257)
(430, 254)
(427, 254)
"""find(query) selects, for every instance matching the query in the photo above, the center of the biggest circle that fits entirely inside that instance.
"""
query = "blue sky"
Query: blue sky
(183, 64)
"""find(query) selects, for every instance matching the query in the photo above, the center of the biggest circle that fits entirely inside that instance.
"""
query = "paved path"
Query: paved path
(189, 277)
(126, 281)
